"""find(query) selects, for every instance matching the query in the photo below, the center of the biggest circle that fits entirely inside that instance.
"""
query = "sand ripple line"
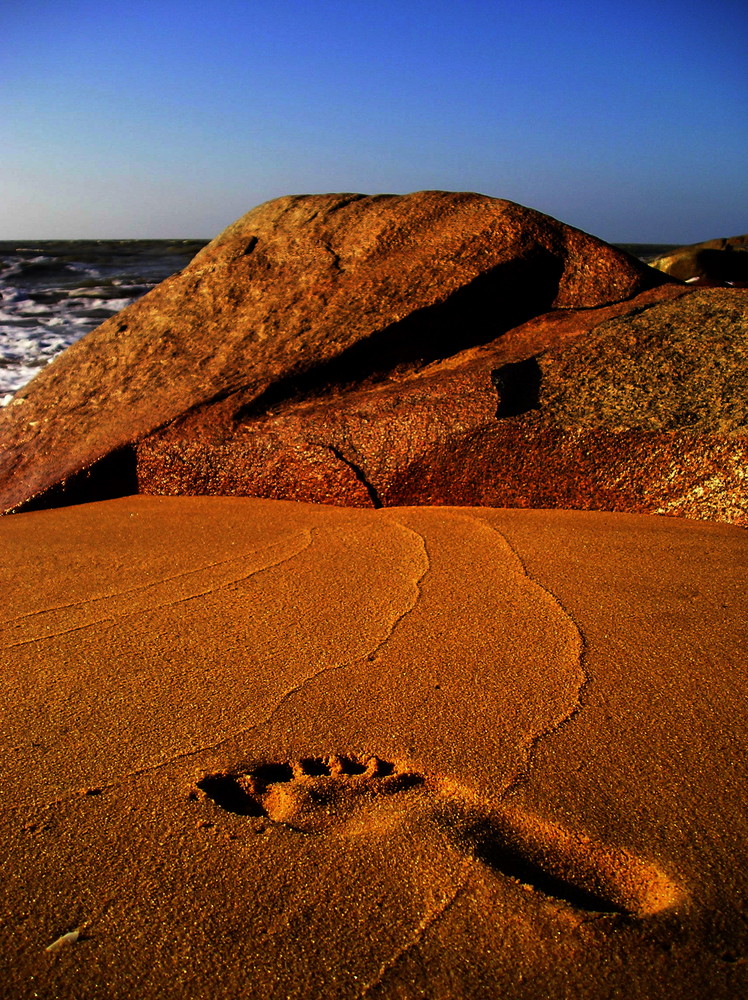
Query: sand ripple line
(166, 592)
(566, 715)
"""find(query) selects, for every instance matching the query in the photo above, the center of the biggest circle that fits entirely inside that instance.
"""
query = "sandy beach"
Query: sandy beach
(373, 501)
(263, 749)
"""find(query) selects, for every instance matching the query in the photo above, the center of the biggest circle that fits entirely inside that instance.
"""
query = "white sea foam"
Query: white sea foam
(54, 293)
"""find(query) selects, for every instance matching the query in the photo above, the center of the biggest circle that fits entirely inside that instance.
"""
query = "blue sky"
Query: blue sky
(170, 118)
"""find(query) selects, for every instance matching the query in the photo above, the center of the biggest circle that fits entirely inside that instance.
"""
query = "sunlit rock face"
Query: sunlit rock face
(301, 296)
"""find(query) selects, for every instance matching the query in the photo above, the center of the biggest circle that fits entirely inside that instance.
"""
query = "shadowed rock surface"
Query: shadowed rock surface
(642, 411)
(300, 293)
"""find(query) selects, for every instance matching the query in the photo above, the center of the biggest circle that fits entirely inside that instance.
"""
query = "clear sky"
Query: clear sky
(170, 118)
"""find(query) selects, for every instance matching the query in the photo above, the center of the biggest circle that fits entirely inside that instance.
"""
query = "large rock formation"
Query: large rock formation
(635, 407)
(301, 293)
(256, 749)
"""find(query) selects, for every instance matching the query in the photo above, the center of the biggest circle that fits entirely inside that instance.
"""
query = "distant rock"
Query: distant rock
(302, 293)
(718, 263)
(721, 243)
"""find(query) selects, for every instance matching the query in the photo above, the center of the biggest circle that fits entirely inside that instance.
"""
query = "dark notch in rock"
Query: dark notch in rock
(722, 265)
(518, 387)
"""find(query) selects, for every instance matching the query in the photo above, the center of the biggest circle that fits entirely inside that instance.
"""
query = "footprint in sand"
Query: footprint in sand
(312, 795)
(335, 794)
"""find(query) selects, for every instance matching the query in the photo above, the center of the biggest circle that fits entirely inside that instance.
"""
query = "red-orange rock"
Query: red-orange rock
(300, 293)
(645, 411)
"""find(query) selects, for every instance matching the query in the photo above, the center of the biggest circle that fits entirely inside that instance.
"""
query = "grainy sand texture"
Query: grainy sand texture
(259, 749)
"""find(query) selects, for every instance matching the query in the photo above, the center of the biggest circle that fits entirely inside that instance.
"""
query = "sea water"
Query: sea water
(55, 291)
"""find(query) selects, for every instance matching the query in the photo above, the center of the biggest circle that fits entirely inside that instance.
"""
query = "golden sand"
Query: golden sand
(258, 749)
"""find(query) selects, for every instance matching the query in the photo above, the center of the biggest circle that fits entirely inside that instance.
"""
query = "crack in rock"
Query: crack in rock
(357, 470)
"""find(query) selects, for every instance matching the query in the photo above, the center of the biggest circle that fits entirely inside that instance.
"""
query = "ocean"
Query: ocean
(55, 291)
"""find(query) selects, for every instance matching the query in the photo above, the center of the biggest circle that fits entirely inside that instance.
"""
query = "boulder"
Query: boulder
(635, 407)
(258, 749)
(720, 262)
(300, 293)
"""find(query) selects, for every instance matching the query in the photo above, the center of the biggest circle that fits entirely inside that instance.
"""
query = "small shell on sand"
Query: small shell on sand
(70, 938)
